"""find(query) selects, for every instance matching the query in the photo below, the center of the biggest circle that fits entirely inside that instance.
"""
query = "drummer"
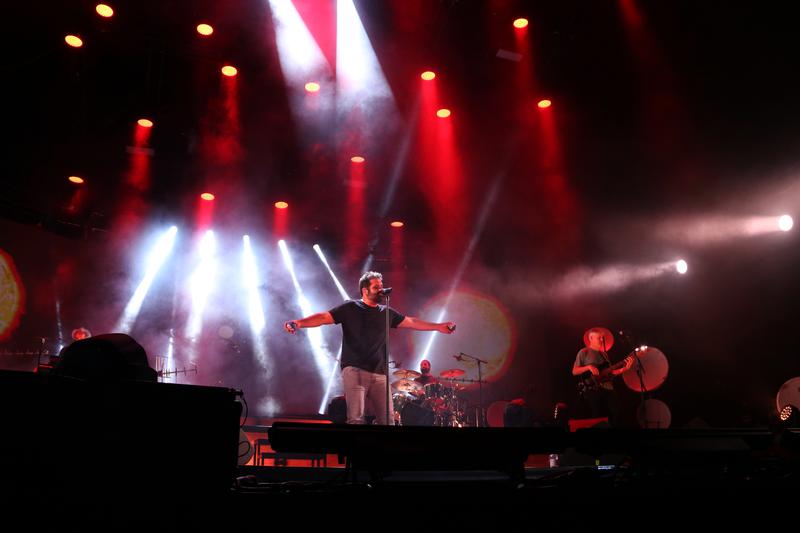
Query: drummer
(426, 377)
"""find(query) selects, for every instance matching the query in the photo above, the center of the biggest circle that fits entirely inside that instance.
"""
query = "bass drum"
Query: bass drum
(788, 394)
(655, 369)
(494, 414)
(414, 414)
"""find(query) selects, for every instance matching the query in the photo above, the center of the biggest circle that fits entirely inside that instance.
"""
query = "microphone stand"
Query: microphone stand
(640, 374)
(39, 354)
(481, 422)
(386, 363)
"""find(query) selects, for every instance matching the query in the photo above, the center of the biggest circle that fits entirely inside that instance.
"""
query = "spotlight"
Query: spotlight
(281, 205)
(521, 23)
(158, 255)
(205, 29)
(201, 284)
(428, 75)
(229, 71)
(682, 266)
(104, 10)
(76, 179)
(207, 196)
(74, 41)
(785, 223)
(544, 104)
(396, 224)
(443, 113)
(312, 87)
(357, 159)
(145, 122)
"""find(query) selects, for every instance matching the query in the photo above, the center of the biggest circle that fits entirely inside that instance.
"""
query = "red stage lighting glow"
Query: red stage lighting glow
(521, 23)
(281, 205)
(205, 29)
(207, 196)
(229, 71)
(396, 224)
(357, 159)
(104, 10)
(145, 122)
(74, 41)
(427, 75)
(76, 179)
(312, 87)
(443, 113)
(544, 104)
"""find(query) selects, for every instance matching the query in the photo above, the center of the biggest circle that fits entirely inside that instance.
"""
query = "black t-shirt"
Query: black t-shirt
(363, 333)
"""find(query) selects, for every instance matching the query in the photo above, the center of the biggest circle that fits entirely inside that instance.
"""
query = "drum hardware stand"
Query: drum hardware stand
(481, 419)
(40, 352)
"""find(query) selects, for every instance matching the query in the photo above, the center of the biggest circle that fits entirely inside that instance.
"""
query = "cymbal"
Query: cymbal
(406, 385)
(406, 374)
(608, 337)
(452, 373)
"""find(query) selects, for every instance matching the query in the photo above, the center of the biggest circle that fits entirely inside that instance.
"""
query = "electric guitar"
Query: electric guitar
(589, 382)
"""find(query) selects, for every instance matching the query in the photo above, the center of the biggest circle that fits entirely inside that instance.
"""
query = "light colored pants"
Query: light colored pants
(364, 390)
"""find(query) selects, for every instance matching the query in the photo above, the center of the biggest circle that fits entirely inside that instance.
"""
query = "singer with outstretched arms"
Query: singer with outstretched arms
(364, 345)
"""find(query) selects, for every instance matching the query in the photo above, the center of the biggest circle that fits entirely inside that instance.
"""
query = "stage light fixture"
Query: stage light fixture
(521, 23)
(74, 41)
(312, 87)
(76, 179)
(443, 113)
(785, 223)
(145, 122)
(544, 104)
(682, 266)
(281, 204)
(357, 159)
(428, 75)
(397, 224)
(230, 71)
(104, 10)
(205, 29)
(207, 196)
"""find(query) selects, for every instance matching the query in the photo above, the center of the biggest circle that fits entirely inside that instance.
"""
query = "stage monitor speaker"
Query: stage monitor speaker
(389, 448)
(108, 356)
(69, 442)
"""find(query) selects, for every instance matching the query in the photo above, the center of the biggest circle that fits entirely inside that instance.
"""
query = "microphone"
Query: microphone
(451, 328)
(458, 357)
(385, 290)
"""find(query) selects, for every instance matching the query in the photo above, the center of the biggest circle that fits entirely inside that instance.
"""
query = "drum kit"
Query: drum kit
(436, 403)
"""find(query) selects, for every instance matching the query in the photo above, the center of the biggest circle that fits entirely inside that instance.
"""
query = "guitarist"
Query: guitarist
(597, 374)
